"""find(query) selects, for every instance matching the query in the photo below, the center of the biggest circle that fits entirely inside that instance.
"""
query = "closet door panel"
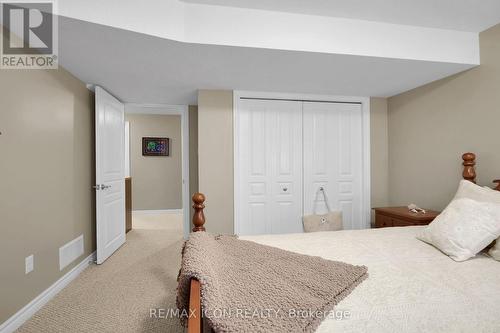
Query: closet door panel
(333, 159)
(287, 173)
(350, 190)
(270, 167)
(254, 167)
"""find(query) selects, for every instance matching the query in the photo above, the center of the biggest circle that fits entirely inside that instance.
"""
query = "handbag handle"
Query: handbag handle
(327, 204)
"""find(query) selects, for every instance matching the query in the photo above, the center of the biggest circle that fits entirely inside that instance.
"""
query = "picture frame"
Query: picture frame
(152, 146)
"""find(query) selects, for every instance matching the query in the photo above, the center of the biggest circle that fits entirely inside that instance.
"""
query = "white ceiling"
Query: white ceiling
(141, 68)
(462, 15)
(240, 27)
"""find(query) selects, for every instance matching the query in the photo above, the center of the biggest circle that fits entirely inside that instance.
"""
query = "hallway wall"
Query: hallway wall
(156, 180)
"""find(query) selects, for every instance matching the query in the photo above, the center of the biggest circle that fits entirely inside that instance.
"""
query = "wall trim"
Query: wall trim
(182, 110)
(365, 103)
(157, 211)
(21, 316)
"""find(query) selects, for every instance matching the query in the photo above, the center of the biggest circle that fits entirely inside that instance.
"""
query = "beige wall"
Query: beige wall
(47, 173)
(193, 153)
(156, 180)
(431, 126)
(379, 152)
(215, 144)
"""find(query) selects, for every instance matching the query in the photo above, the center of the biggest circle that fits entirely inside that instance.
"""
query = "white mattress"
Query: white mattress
(412, 286)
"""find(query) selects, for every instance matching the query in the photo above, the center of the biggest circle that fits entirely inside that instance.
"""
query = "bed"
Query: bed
(412, 286)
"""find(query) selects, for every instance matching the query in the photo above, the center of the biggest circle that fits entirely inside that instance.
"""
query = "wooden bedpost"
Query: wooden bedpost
(195, 319)
(498, 184)
(469, 170)
(198, 217)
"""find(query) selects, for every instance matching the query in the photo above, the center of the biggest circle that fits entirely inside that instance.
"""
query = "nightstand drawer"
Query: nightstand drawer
(401, 217)
(402, 223)
(382, 221)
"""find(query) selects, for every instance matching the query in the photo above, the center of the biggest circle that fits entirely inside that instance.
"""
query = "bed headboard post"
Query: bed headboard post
(199, 216)
(498, 184)
(469, 170)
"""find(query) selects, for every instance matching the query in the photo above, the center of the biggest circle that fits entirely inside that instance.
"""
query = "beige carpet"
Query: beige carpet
(117, 296)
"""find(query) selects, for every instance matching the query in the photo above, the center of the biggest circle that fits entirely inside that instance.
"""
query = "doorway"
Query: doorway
(157, 160)
(163, 186)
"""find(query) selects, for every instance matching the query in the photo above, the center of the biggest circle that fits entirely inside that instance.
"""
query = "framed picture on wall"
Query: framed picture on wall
(155, 146)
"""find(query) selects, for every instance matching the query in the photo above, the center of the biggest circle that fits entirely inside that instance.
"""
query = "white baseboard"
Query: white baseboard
(161, 211)
(14, 322)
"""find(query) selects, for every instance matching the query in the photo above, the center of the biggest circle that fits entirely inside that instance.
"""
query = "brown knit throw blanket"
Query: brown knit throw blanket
(248, 287)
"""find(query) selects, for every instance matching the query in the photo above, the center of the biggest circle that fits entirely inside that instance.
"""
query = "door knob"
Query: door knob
(101, 187)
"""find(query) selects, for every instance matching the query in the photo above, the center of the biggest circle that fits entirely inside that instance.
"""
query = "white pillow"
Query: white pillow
(494, 196)
(464, 228)
(472, 191)
(469, 190)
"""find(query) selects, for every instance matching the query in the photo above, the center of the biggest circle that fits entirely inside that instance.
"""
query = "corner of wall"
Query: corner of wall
(379, 151)
(215, 158)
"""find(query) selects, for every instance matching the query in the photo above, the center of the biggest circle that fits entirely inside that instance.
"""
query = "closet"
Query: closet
(285, 150)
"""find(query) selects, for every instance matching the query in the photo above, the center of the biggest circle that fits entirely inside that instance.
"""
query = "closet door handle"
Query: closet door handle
(101, 187)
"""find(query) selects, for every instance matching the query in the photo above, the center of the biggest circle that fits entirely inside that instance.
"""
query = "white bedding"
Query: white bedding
(412, 286)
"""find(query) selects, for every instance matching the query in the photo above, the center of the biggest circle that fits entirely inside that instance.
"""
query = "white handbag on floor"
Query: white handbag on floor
(331, 221)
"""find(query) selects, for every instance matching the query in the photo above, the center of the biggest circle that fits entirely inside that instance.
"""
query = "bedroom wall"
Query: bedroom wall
(215, 157)
(193, 153)
(215, 130)
(46, 176)
(379, 153)
(431, 126)
(156, 180)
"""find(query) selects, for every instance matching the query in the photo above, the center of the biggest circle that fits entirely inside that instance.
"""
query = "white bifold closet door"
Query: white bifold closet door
(270, 167)
(333, 143)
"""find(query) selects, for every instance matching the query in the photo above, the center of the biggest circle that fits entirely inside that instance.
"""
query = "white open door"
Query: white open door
(110, 174)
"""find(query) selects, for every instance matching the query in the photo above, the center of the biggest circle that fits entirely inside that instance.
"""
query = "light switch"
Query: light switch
(29, 263)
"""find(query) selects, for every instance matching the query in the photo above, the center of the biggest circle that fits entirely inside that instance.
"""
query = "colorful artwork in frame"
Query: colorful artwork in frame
(155, 146)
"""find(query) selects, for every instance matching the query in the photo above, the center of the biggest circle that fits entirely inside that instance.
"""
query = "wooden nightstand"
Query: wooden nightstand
(401, 217)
